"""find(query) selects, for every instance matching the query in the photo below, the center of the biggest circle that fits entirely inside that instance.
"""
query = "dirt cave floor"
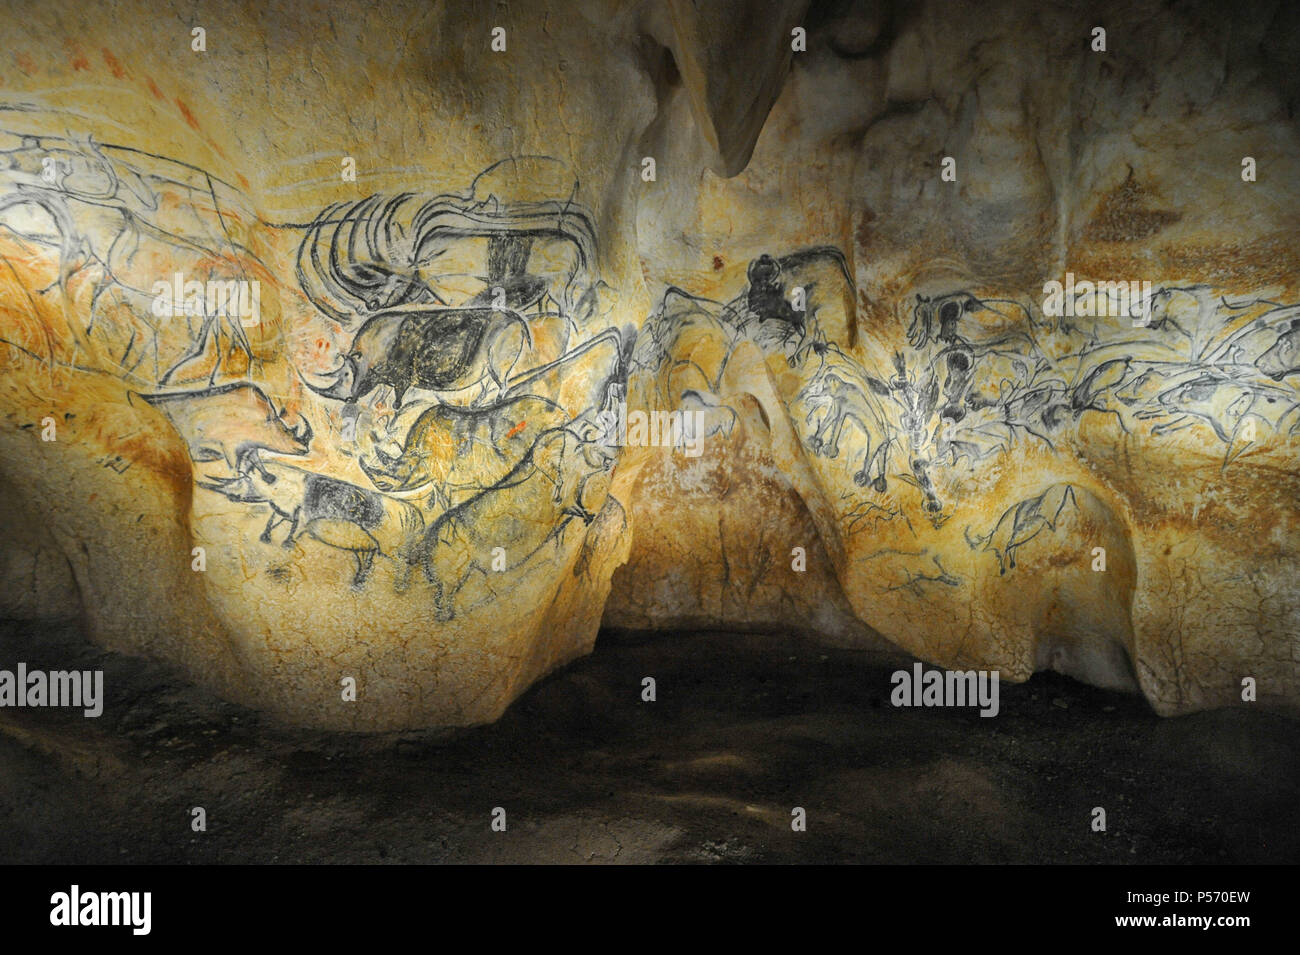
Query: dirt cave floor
(745, 728)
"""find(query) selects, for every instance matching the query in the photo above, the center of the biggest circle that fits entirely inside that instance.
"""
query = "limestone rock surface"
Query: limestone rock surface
(365, 343)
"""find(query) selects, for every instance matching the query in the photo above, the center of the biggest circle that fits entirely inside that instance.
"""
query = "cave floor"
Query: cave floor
(744, 729)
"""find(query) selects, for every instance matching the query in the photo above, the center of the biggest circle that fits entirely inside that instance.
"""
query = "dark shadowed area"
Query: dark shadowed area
(744, 729)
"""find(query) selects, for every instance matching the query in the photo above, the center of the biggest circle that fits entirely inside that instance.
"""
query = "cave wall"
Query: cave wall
(822, 236)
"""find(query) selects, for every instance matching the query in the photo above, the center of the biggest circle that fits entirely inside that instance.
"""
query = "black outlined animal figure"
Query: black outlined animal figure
(382, 252)
(1021, 523)
(765, 296)
(843, 401)
(225, 300)
(1223, 403)
(1099, 384)
(914, 581)
(1283, 357)
(959, 360)
(921, 475)
(704, 415)
(230, 422)
(345, 264)
(1157, 312)
(1092, 393)
(917, 403)
(950, 450)
(447, 438)
(937, 319)
(438, 446)
(528, 508)
(667, 347)
(333, 512)
(508, 272)
(100, 219)
(442, 349)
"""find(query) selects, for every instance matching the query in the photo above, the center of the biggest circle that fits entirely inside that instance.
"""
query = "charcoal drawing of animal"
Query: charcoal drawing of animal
(436, 349)
(335, 513)
(1283, 357)
(766, 294)
(229, 422)
(938, 319)
(453, 447)
(528, 508)
(508, 283)
(841, 402)
(452, 451)
(1021, 523)
(361, 257)
(1223, 403)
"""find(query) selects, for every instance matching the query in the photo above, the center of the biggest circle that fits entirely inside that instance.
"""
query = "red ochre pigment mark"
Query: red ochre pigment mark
(76, 57)
(216, 146)
(153, 88)
(242, 181)
(516, 429)
(185, 111)
(717, 262)
(25, 63)
(322, 344)
(113, 65)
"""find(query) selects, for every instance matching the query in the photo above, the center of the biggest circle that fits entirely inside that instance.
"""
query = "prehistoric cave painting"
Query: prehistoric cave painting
(227, 423)
(471, 353)
(383, 269)
(1283, 358)
(436, 349)
(1022, 522)
(522, 513)
(704, 415)
(914, 582)
(453, 451)
(665, 346)
(89, 229)
(445, 435)
(383, 252)
(967, 389)
(782, 293)
(836, 400)
(464, 358)
(333, 512)
(1200, 361)
(675, 369)
(480, 318)
(978, 377)
(1220, 374)
(858, 510)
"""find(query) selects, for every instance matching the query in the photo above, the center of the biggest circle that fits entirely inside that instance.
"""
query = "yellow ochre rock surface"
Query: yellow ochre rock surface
(413, 343)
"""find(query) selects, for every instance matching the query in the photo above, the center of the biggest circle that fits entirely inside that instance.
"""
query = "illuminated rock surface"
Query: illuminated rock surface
(418, 461)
